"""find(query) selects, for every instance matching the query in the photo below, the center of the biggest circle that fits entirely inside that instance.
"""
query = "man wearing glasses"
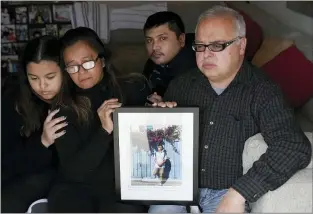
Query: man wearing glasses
(236, 101)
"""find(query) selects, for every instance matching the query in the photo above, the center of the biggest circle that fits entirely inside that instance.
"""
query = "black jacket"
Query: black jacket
(86, 152)
(160, 76)
(20, 155)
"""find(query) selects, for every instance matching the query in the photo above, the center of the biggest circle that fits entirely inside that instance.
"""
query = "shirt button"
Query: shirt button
(211, 123)
(206, 146)
(203, 170)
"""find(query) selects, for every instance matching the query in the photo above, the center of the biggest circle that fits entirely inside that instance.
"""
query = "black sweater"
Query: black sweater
(20, 155)
(160, 76)
(86, 151)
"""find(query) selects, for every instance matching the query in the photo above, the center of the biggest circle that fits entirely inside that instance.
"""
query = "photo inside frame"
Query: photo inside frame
(40, 14)
(156, 155)
(157, 151)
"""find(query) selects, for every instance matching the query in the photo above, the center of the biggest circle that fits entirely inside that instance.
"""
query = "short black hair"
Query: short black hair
(173, 20)
(160, 144)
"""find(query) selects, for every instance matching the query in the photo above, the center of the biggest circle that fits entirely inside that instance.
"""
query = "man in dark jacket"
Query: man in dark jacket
(169, 55)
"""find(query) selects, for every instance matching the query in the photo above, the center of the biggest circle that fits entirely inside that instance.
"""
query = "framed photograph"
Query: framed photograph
(156, 155)
(7, 16)
(39, 14)
(11, 65)
(21, 32)
(52, 30)
(7, 49)
(8, 33)
(21, 15)
(62, 12)
(37, 32)
(63, 29)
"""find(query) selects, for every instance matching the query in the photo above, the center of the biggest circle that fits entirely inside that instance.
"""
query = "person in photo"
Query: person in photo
(21, 32)
(21, 15)
(11, 36)
(5, 17)
(160, 158)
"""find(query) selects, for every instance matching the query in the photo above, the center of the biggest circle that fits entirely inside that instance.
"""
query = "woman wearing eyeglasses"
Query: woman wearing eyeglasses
(86, 179)
(27, 157)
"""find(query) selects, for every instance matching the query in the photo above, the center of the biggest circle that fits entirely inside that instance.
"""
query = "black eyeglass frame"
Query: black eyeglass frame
(209, 46)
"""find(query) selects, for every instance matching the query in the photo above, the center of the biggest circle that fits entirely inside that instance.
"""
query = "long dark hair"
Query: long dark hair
(92, 39)
(28, 104)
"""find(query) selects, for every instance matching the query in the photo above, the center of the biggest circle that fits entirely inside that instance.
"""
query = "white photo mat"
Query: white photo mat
(183, 192)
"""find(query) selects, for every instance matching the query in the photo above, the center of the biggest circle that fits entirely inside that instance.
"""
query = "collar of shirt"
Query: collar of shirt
(242, 77)
(185, 54)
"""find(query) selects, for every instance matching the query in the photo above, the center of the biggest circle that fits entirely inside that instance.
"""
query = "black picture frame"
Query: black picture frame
(142, 185)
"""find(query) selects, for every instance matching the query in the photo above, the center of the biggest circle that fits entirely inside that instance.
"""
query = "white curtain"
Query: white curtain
(134, 17)
(93, 15)
(100, 18)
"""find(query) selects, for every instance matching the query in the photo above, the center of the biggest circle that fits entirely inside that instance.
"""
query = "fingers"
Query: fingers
(109, 111)
(165, 104)
(154, 98)
(55, 121)
(57, 135)
(108, 101)
(59, 126)
(51, 115)
(113, 105)
(109, 105)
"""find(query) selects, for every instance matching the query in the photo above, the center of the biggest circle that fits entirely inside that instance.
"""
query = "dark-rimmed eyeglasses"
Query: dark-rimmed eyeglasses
(86, 65)
(214, 46)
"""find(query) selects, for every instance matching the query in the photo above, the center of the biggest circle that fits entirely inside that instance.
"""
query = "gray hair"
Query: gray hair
(218, 10)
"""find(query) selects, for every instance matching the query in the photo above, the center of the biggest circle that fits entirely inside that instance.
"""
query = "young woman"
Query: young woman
(27, 159)
(86, 182)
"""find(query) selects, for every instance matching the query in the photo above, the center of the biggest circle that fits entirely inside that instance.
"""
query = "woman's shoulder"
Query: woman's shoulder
(74, 115)
(134, 82)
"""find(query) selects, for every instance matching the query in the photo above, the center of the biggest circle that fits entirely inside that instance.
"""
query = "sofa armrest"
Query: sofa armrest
(255, 146)
(295, 196)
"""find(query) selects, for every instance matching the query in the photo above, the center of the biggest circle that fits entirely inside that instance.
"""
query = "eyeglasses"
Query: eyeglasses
(86, 65)
(214, 46)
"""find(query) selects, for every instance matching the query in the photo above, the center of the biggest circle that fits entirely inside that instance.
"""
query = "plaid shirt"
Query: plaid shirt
(251, 104)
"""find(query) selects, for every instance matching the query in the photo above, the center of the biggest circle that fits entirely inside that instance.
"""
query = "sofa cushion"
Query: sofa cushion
(293, 73)
(270, 48)
(129, 58)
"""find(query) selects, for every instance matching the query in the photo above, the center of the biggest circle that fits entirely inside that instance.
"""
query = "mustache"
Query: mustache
(156, 53)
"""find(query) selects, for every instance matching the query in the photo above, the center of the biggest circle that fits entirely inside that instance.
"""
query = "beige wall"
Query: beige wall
(279, 10)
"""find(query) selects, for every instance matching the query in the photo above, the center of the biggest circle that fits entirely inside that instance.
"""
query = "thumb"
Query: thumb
(49, 111)
(155, 93)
